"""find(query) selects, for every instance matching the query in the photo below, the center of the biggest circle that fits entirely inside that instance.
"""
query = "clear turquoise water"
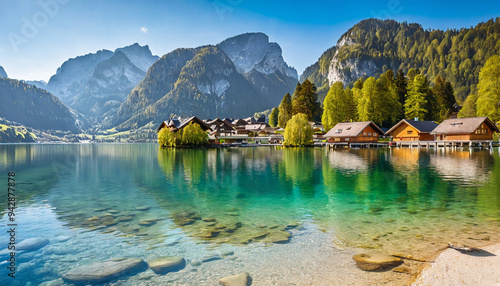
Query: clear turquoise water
(91, 202)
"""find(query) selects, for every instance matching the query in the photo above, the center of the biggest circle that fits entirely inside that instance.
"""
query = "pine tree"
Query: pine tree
(401, 87)
(273, 117)
(416, 101)
(445, 99)
(306, 101)
(285, 110)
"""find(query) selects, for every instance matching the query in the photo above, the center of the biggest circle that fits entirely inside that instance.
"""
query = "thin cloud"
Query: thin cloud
(144, 30)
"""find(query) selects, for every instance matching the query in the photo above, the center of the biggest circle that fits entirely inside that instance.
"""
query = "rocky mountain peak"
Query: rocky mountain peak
(2, 72)
(140, 56)
(254, 51)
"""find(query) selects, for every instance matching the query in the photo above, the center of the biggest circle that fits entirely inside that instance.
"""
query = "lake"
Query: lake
(286, 216)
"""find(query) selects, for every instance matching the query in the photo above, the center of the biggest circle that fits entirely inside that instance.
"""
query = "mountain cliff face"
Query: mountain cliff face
(373, 46)
(2, 72)
(236, 78)
(98, 83)
(36, 108)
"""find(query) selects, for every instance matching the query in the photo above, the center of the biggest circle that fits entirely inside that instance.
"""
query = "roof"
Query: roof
(421, 126)
(239, 122)
(463, 125)
(178, 123)
(351, 129)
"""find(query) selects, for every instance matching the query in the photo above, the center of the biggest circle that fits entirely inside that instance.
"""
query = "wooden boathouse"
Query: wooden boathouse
(412, 133)
(354, 134)
(473, 131)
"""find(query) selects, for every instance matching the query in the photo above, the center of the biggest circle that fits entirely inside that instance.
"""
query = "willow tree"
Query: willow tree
(298, 132)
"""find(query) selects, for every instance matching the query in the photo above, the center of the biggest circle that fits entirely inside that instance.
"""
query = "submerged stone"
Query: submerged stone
(104, 271)
(147, 222)
(142, 208)
(165, 264)
(375, 260)
(277, 237)
(241, 279)
(32, 244)
(125, 218)
(227, 253)
(210, 257)
(208, 219)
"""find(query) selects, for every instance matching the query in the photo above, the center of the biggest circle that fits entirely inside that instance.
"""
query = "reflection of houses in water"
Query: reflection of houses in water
(405, 159)
(462, 165)
(346, 161)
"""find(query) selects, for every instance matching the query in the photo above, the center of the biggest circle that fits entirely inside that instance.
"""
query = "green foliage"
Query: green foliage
(285, 110)
(488, 101)
(469, 107)
(305, 100)
(298, 132)
(416, 102)
(445, 99)
(339, 106)
(273, 117)
(166, 138)
(456, 55)
(191, 135)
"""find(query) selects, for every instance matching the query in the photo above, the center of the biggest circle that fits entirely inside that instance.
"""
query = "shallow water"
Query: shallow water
(97, 202)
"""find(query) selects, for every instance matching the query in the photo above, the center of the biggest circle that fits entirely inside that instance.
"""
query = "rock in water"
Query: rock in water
(374, 261)
(463, 248)
(32, 244)
(241, 279)
(104, 271)
(165, 264)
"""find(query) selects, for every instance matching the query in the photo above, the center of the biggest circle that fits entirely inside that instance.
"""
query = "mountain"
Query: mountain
(38, 83)
(372, 46)
(94, 84)
(2, 72)
(36, 108)
(235, 78)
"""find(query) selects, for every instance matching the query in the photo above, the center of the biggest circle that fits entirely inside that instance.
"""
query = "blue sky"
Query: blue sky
(38, 36)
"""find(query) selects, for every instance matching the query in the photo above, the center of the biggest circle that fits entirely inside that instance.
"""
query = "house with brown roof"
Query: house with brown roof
(412, 130)
(176, 124)
(354, 132)
(473, 129)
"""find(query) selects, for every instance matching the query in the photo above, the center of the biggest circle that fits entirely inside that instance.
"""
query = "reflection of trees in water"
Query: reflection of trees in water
(37, 168)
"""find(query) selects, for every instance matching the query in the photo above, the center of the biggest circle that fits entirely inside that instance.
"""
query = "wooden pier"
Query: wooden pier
(487, 144)
(443, 144)
(356, 145)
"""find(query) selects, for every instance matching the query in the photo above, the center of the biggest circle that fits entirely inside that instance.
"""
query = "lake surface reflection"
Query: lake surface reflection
(96, 202)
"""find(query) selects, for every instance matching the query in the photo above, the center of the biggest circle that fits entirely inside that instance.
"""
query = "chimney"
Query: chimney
(416, 118)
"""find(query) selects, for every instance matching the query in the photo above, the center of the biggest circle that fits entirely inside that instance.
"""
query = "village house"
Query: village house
(176, 124)
(354, 132)
(412, 130)
(465, 130)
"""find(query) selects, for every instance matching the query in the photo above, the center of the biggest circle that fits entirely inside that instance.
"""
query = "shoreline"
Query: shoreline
(453, 267)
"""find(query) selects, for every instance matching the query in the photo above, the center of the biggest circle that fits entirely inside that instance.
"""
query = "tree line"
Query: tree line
(384, 100)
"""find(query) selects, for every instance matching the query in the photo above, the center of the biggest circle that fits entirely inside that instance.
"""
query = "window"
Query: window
(364, 133)
(348, 128)
(347, 139)
(409, 132)
(338, 131)
(369, 134)
(337, 139)
(374, 134)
